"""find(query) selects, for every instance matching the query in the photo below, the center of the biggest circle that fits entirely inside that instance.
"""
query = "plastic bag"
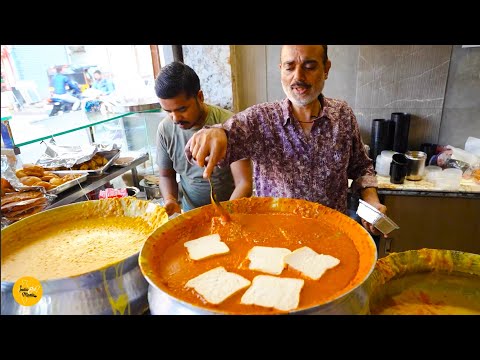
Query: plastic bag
(455, 158)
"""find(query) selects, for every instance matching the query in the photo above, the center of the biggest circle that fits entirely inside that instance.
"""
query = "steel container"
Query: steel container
(118, 289)
(415, 165)
(151, 191)
(353, 301)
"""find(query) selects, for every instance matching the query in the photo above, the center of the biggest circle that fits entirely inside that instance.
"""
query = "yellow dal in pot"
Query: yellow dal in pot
(68, 247)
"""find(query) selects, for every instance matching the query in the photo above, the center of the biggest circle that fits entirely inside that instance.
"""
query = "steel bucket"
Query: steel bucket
(353, 300)
(118, 288)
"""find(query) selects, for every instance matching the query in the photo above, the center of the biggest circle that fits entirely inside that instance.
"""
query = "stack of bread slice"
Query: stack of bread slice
(281, 293)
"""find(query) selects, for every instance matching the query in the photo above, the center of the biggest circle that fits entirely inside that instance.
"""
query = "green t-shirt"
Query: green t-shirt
(171, 141)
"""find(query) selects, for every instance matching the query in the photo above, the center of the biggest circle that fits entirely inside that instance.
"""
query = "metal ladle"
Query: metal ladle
(223, 213)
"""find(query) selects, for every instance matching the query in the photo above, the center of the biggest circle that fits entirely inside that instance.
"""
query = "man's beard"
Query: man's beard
(301, 100)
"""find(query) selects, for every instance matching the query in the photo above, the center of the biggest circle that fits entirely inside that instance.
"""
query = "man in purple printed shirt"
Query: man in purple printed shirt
(305, 146)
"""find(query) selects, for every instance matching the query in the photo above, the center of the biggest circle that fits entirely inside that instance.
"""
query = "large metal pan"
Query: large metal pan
(425, 282)
(352, 300)
(117, 288)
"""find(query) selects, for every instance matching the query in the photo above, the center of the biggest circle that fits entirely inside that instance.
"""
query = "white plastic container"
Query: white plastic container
(430, 172)
(382, 166)
(448, 179)
(387, 154)
(382, 163)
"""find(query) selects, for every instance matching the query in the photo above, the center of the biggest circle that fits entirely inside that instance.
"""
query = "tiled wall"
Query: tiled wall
(439, 85)
(461, 111)
(212, 64)
(402, 78)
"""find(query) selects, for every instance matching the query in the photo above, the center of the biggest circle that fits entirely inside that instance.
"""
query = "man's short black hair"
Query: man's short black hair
(176, 78)
(325, 55)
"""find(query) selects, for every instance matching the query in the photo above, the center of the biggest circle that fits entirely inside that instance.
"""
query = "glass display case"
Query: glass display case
(133, 129)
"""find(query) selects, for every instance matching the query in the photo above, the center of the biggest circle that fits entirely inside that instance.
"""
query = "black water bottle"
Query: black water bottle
(402, 127)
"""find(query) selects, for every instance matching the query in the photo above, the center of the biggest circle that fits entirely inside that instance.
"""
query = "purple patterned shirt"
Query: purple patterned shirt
(289, 164)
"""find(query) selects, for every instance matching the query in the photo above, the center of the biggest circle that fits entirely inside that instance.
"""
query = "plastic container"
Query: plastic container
(382, 166)
(388, 154)
(448, 179)
(430, 172)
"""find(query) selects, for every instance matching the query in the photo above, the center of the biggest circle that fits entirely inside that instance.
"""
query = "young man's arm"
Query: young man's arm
(72, 85)
(242, 175)
(167, 175)
(169, 189)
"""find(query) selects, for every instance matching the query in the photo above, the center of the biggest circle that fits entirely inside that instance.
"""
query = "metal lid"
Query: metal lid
(138, 107)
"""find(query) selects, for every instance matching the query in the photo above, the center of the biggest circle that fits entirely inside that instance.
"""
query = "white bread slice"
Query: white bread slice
(274, 292)
(206, 246)
(267, 259)
(310, 263)
(217, 284)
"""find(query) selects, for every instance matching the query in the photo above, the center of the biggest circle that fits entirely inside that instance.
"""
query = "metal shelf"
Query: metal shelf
(94, 182)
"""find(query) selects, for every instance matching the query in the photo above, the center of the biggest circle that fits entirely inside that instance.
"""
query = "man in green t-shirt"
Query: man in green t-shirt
(177, 87)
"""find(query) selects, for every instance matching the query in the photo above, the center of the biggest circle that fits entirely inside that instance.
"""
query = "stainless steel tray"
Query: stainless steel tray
(134, 155)
(68, 184)
(111, 156)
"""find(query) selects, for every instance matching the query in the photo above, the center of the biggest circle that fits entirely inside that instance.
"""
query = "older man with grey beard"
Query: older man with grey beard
(305, 146)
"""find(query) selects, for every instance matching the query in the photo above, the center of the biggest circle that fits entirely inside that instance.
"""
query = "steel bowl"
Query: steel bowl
(353, 300)
(118, 289)
(151, 191)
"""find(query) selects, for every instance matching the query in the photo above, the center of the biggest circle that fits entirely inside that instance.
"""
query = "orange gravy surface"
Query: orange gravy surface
(171, 266)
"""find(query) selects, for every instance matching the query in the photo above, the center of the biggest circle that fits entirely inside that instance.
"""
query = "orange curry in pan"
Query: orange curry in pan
(165, 260)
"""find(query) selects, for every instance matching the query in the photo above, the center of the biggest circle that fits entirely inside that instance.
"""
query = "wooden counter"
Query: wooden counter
(429, 217)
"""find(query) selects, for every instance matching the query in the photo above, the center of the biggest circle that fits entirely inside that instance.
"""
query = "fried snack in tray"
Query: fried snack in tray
(33, 170)
(18, 204)
(96, 162)
(6, 187)
(42, 177)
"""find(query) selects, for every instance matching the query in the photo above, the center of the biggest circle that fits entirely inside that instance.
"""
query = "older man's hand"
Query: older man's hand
(207, 147)
(372, 229)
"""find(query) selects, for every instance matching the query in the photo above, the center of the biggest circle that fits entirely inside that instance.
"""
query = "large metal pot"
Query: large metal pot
(353, 300)
(425, 282)
(118, 288)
